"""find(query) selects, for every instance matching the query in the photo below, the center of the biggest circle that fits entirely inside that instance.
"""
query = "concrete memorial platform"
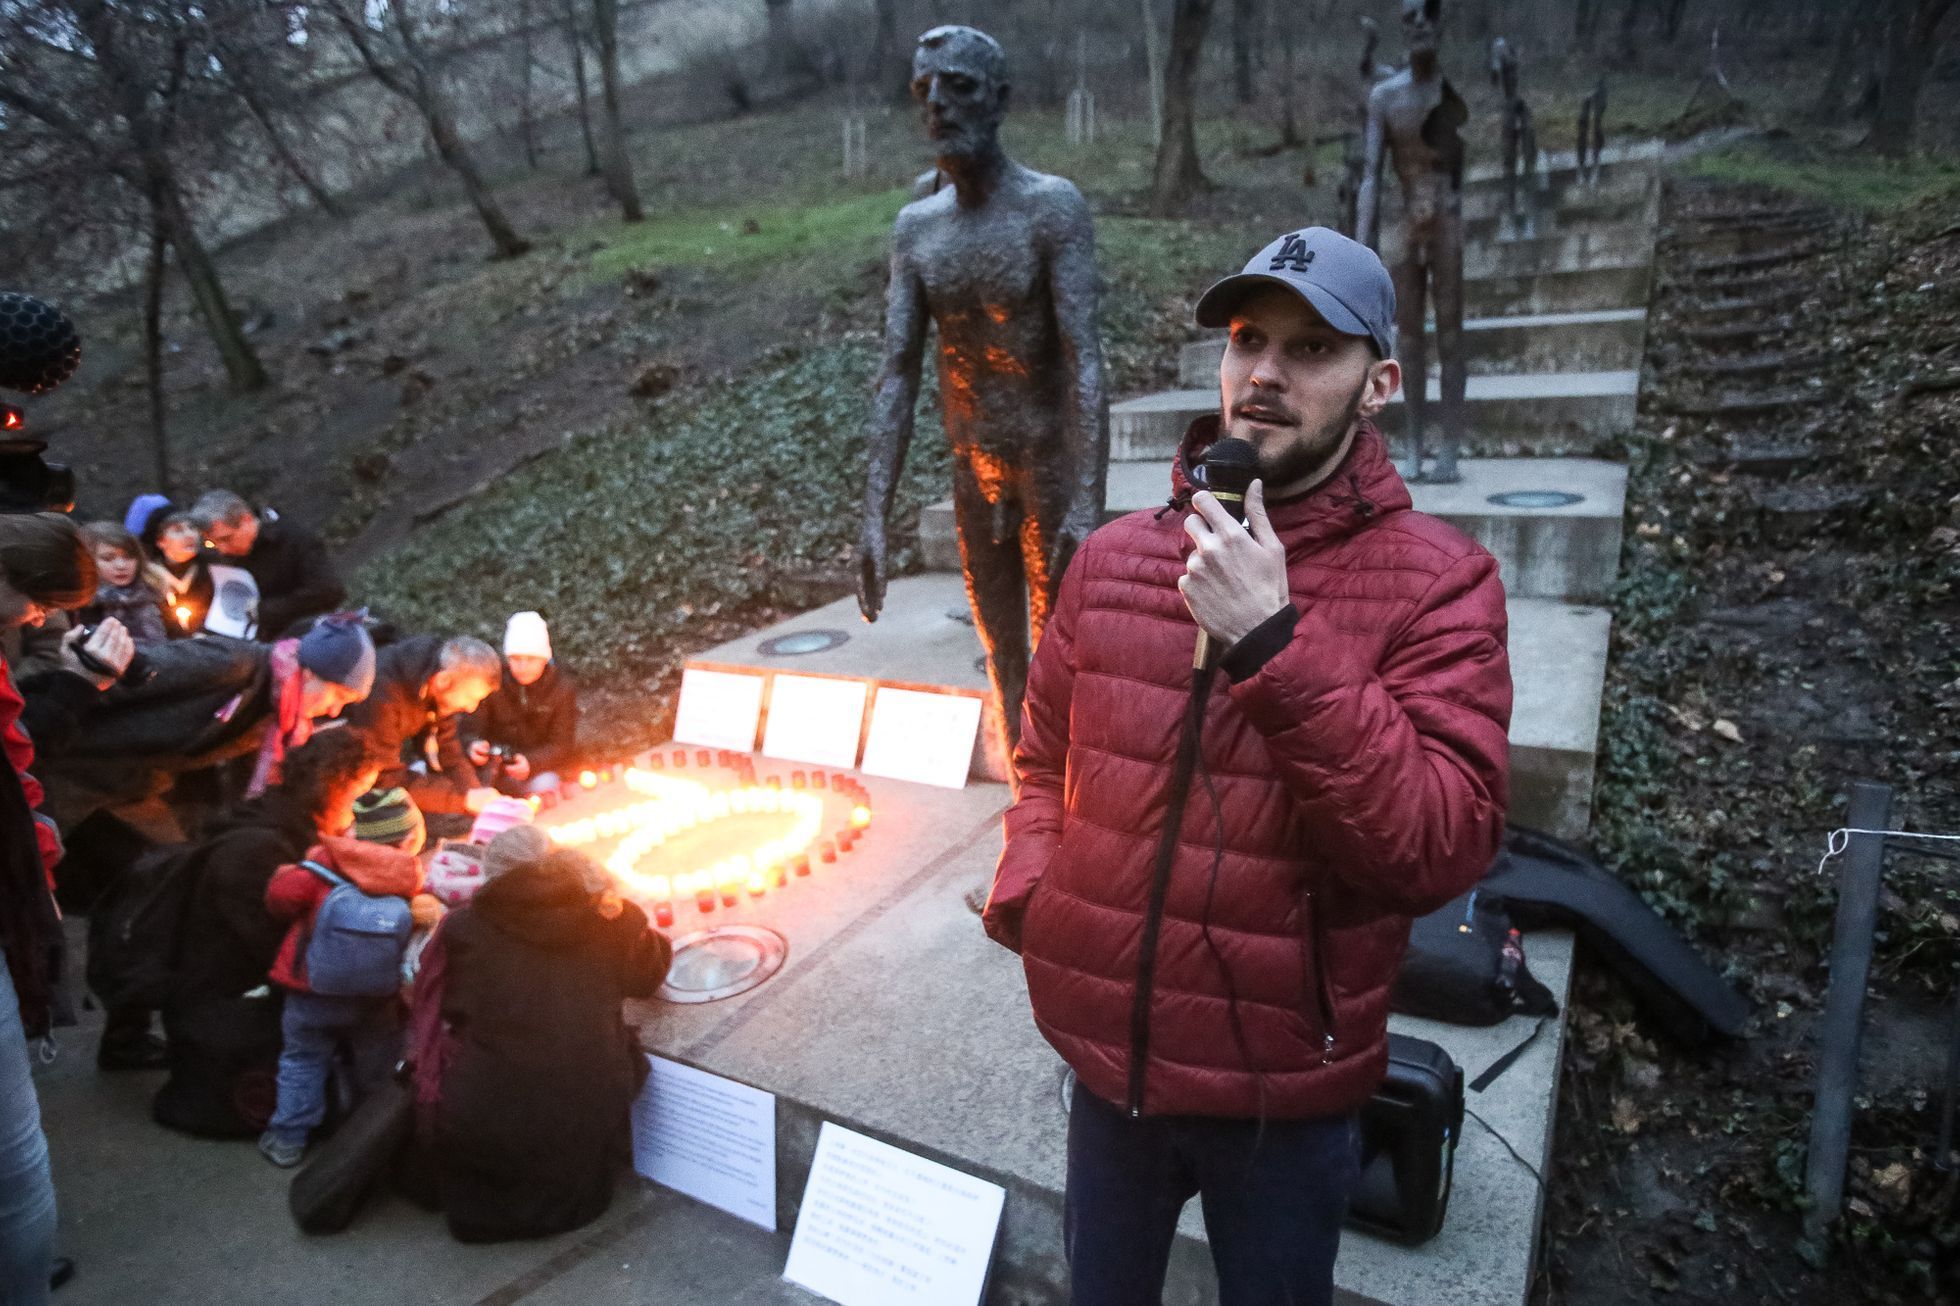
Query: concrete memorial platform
(1552, 523)
(1596, 340)
(1505, 412)
(925, 640)
(894, 1016)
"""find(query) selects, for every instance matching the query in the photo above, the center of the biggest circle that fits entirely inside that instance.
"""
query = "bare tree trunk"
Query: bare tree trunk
(1245, 16)
(527, 126)
(575, 51)
(153, 348)
(785, 55)
(1178, 175)
(242, 365)
(1585, 22)
(456, 155)
(282, 150)
(1830, 97)
(1289, 126)
(1911, 38)
(416, 80)
(1153, 58)
(619, 164)
(884, 71)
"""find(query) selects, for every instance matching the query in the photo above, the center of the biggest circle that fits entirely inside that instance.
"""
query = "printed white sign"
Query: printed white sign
(925, 738)
(718, 709)
(814, 719)
(881, 1226)
(708, 1137)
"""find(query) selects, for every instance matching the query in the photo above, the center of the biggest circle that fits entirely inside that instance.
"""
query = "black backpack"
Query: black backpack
(136, 925)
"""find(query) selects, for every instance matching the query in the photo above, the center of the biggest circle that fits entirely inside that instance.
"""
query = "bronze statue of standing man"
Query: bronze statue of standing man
(1415, 117)
(1002, 261)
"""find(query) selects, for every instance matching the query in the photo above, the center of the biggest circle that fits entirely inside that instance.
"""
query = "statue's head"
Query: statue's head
(1420, 21)
(959, 77)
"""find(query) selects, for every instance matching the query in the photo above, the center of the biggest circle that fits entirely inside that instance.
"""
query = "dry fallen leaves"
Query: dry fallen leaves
(1727, 730)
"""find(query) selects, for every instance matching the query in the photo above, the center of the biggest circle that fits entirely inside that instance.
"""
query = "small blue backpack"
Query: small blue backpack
(357, 943)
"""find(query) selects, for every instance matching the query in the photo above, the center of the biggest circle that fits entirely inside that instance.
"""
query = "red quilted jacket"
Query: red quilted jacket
(1360, 778)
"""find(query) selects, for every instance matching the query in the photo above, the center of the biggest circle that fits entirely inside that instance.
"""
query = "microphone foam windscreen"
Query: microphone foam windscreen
(1230, 465)
(38, 345)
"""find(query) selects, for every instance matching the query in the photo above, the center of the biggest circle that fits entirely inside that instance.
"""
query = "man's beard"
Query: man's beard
(1286, 466)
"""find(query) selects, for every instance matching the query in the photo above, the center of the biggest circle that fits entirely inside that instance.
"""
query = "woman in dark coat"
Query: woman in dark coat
(222, 1021)
(542, 1072)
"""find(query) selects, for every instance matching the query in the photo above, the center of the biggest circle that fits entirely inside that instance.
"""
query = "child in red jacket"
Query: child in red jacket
(314, 1024)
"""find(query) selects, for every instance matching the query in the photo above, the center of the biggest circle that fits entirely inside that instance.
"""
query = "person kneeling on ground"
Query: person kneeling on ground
(533, 716)
(314, 1024)
(541, 1070)
(222, 1018)
(422, 686)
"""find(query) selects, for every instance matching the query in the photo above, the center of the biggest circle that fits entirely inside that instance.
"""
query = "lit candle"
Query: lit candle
(860, 817)
(756, 884)
(663, 914)
(588, 779)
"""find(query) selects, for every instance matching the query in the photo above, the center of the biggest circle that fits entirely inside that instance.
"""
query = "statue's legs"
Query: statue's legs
(991, 533)
(1445, 258)
(1511, 159)
(1412, 348)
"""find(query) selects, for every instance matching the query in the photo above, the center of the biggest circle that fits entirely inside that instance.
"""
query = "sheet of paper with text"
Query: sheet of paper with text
(711, 1138)
(882, 1227)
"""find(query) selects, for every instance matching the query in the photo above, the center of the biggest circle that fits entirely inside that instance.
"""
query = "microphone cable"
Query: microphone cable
(1233, 1018)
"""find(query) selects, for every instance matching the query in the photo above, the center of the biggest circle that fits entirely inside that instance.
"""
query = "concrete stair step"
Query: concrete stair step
(1545, 547)
(1557, 194)
(1607, 339)
(1601, 285)
(927, 1043)
(924, 639)
(1578, 211)
(1561, 166)
(1540, 409)
(1560, 251)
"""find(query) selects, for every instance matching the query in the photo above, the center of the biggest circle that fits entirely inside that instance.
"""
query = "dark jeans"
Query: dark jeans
(1273, 1200)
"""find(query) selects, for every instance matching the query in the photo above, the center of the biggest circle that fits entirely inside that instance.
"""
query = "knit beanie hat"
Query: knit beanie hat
(390, 816)
(499, 815)
(141, 509)
(526, 635)
(338, 649)
(518, 846)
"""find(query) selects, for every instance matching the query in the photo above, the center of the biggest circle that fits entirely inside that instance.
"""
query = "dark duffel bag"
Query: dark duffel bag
(1465, 966)
(1409, 1132)
(329, 1190)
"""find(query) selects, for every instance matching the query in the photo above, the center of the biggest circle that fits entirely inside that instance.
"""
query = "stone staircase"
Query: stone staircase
(925, 992)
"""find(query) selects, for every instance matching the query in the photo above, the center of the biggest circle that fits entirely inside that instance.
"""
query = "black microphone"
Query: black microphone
(1228, 470)
(39, 348)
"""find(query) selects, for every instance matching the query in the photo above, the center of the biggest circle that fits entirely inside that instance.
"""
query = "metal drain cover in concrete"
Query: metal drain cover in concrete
(802, 642)
(1536, 499)
(722, 961)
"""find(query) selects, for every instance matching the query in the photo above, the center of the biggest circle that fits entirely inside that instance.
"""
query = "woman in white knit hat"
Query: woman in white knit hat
(526, 734)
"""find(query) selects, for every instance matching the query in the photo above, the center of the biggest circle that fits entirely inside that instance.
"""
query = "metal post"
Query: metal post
(1841, 1030)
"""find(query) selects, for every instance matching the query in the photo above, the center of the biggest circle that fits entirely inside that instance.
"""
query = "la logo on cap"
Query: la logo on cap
(1293, 253)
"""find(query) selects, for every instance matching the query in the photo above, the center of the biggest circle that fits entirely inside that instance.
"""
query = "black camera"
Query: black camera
(39, 349)
(140, 670)
(502, 752)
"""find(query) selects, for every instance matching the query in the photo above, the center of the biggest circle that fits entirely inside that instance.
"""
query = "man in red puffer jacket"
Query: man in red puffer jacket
(1224, 1001)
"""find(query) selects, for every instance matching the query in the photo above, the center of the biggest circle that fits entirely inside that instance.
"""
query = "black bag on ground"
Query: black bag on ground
(329, 1190)
(1465, 966)
(1544, 882)
(1409, 1132)
(135, 925)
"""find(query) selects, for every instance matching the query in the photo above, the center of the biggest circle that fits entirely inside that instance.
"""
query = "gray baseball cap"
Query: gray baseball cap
(1342, 279)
